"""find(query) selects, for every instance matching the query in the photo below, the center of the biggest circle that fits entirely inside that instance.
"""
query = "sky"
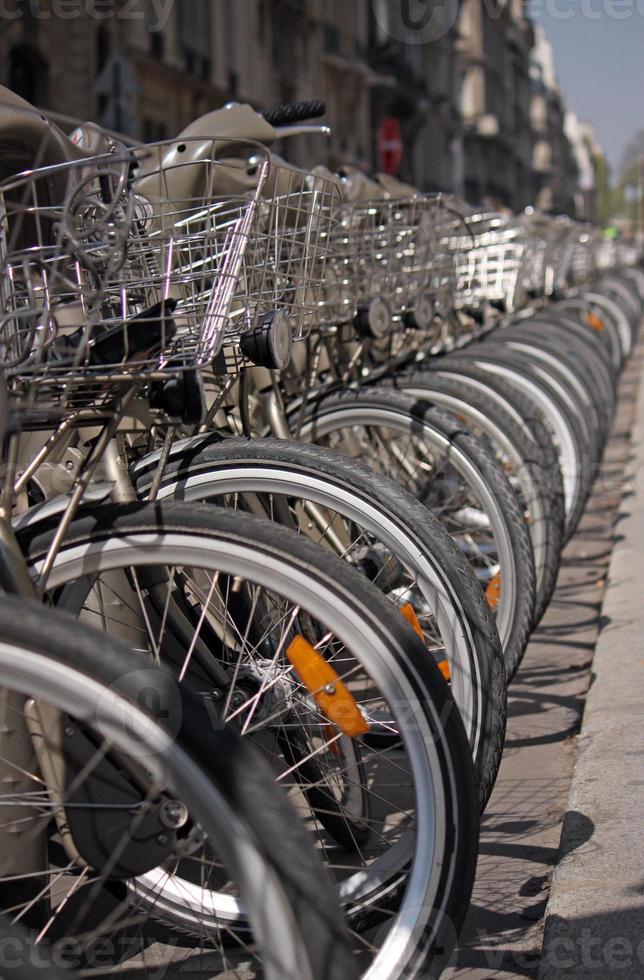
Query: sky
(599, 55)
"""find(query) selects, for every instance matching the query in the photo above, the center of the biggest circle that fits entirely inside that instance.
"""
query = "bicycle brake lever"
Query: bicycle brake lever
(282, 132)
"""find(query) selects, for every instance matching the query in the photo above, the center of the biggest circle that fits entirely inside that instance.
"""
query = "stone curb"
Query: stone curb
(594, 925)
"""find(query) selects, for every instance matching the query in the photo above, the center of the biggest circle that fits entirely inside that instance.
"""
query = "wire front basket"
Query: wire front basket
(491, 263)
(137, 267)
(381, 251)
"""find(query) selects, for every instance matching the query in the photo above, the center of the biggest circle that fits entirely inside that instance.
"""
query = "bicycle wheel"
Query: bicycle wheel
(634, 277)
(521, 458)
(374, 525)
(623, 292)
(569, 439)
(523, 411)
(581, 346)
(572, 391)
(432, 455)
(608, 319)
(111, 773)
(228, 600)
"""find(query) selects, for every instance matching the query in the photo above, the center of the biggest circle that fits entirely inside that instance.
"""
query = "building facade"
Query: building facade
(555, 166)
(495, 43)
(474, 102)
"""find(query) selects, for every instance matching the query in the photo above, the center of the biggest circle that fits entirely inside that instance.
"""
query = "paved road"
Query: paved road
(522, 825)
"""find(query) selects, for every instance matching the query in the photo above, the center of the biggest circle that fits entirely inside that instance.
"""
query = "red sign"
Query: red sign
(390, 145)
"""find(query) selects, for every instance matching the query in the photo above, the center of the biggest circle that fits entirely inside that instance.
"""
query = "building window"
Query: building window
(287, 46)
(157, 47)
(331, 39)
(195, 37)
(29, 74)
(103, 47)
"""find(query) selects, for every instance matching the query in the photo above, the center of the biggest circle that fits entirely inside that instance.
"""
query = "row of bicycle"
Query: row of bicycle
(270, 561)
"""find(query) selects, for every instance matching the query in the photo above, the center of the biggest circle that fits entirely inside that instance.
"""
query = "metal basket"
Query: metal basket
(209, 237)
(452, 240)
(491, 263)
(611, 254)
(608, 255)
(254, 246)
(583, 262)
(64, 233)
(548, 252)
(559, 256)
(380, 255)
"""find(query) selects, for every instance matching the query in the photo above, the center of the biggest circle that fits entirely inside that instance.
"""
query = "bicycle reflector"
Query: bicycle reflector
(493, 591)
(331, 694)
(409, 613)
(595, 322)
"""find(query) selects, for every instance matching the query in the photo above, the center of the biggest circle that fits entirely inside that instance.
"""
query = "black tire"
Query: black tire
(571, 390)
(576, 323)
(514, 365)
(248, 461)
(520, 407)
(591, 309)
(624, 292)
(436, 732)
(421, 417)
(570, 330)
(590, 371)
(221, 758)
(534, 464)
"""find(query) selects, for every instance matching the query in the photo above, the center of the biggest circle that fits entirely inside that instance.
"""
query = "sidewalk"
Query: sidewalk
(595, 915)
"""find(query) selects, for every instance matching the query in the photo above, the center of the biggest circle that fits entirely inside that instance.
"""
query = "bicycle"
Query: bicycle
(137, 532)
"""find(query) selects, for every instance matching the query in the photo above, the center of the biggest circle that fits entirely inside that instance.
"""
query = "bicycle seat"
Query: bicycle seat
(357, 187)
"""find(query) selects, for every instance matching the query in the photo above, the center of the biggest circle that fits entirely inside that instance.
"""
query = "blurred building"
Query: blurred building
(476, 110)
(555, 168)
(592, 172)
(494, 44)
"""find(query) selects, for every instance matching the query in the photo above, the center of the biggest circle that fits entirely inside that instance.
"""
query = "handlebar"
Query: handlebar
(294, 112)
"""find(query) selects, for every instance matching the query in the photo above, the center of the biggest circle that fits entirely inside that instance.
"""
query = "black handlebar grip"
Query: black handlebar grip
(294, 112)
